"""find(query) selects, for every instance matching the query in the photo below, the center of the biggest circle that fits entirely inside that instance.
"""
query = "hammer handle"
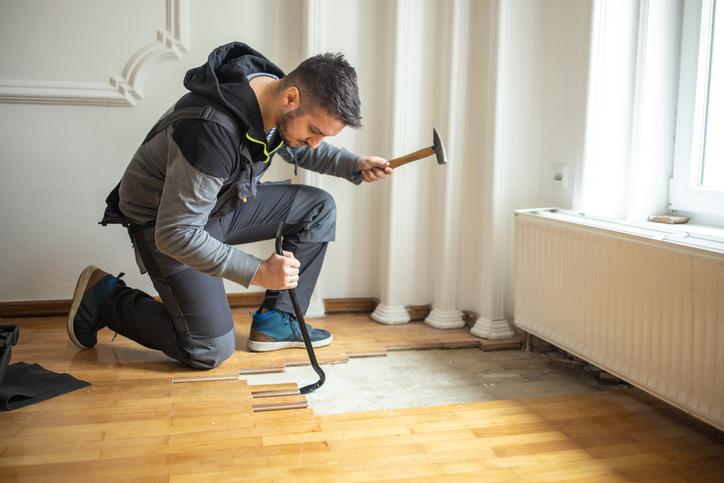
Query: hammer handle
(408, 158)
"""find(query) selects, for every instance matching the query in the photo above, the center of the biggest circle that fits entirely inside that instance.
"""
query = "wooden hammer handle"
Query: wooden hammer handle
(408, 158)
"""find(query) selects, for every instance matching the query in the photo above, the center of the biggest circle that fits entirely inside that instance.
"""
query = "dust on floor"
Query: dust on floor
(407, 379)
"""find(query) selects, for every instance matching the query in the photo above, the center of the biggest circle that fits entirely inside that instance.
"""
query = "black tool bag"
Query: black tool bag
(9, 335)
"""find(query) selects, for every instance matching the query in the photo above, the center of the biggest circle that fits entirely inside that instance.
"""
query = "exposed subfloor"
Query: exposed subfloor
(408, 379)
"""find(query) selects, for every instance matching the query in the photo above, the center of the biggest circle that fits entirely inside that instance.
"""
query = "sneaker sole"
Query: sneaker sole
(275, 346)
(80, 289)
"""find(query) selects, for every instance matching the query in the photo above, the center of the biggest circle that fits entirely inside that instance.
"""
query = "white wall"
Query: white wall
(564, 53)
(528, 94)
(348, 270)
(59, 161)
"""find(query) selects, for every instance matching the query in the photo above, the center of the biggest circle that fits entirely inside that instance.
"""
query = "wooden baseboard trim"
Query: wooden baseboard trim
(350, 305)
(49, 308)
(418, 312)
(34, 308)
(238, 300)
(470, 318)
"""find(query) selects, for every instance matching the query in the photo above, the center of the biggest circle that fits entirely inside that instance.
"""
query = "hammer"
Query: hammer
(437, 149)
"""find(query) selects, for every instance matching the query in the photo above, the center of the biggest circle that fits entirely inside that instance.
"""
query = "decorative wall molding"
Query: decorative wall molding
(391, 310)
(496, 205)
(312, 34)
(124, 90)
(315, 310)
(445, 319)
(390, 314)
(504, 134)
(312, 27)
(492, 329)
(454, 51)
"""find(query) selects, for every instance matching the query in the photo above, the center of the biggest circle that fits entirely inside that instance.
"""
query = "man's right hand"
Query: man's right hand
(277, 272)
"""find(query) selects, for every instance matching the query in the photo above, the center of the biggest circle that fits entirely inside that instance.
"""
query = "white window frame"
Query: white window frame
(685, 191)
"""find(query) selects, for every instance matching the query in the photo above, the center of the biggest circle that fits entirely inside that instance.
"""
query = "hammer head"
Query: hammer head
(438, 147)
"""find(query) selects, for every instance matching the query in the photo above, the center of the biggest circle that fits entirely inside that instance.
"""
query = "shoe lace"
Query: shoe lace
(294, 325)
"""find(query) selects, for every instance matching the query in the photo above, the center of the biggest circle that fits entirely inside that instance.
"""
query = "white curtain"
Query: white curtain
(631, 108)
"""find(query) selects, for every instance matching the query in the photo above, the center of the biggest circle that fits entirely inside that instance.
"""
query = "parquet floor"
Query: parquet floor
(134, 424)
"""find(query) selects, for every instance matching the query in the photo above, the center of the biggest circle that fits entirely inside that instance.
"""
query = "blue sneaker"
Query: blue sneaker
(84, 319)
(276, 330)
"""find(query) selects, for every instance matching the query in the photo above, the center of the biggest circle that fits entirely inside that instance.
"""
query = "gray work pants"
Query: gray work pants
(193, 324)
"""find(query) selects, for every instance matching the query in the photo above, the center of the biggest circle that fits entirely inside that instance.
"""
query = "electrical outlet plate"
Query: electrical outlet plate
(559, 175)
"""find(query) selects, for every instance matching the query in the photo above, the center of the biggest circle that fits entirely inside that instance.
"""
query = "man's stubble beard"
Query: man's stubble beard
(283, 127)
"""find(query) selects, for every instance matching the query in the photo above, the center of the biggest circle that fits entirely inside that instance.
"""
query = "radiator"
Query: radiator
(644, 302)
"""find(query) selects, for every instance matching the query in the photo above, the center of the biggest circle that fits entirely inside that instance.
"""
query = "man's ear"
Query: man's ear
(290, 98)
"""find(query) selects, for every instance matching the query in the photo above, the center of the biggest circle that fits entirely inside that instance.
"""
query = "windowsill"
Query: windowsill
(706, 230)
(702, 235)
(706, 224)
(696, 236)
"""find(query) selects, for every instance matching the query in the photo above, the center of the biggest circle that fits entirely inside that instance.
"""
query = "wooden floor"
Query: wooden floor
(133, 423)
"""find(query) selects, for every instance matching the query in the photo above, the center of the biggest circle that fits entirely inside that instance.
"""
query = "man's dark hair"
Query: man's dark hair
(327, 81)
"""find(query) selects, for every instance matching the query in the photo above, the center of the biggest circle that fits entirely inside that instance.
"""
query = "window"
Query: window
(697, 185)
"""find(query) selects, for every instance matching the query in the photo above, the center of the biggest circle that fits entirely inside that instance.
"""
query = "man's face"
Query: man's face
(302, 127)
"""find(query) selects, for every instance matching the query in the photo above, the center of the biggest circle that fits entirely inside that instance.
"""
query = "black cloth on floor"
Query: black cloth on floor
(26, 384)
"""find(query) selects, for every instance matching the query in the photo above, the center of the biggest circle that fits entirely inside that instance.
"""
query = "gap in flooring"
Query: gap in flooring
(419, 378)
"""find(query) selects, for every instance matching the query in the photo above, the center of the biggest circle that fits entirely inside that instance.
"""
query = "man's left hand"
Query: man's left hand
(373, 168)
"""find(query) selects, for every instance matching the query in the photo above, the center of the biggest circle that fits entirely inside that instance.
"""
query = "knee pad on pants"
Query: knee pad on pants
(319, 212)
(207, 352)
